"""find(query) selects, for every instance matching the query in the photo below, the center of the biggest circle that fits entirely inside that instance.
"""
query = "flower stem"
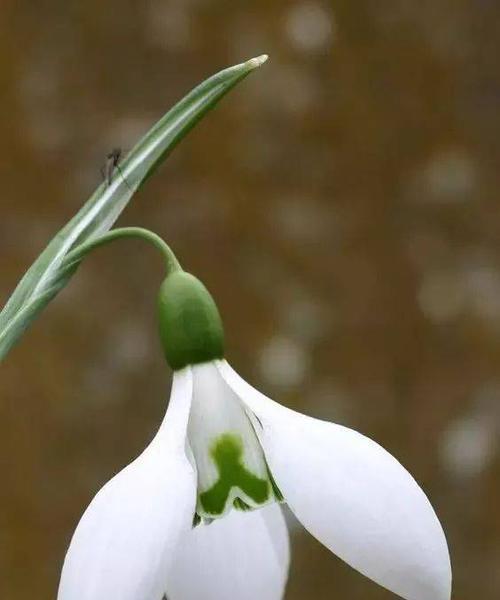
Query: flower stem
(171, 262)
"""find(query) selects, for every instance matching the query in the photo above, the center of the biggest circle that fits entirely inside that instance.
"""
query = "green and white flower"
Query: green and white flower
(197, 514)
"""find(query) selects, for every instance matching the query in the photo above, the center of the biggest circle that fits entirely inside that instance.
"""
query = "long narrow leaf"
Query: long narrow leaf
(45, 279)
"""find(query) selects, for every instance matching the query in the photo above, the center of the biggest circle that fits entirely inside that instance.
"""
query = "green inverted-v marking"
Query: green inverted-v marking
(227, 453)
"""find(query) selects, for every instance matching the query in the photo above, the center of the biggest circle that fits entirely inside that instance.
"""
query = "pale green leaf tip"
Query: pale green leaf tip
(258, 61)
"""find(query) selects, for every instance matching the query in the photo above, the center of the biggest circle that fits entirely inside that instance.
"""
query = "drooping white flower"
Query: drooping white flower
(197, 515)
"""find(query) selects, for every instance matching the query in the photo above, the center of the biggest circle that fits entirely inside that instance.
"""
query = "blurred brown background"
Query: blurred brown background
(342, 205)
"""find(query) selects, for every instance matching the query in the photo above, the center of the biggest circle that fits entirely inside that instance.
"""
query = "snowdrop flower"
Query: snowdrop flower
(197, 514)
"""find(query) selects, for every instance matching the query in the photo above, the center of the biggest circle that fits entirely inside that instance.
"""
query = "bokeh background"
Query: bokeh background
(342, 206)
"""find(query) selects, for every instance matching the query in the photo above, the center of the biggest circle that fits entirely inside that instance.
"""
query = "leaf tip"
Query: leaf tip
(258, 61)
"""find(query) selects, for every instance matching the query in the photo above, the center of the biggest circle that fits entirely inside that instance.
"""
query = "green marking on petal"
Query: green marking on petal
(227, 453)
(239, 504)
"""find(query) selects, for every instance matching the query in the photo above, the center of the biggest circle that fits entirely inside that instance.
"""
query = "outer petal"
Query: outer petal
(242, 556)
(125, 541)
(354, 497)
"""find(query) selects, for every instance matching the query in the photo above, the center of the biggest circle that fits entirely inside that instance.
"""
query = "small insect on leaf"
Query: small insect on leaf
(112, 160)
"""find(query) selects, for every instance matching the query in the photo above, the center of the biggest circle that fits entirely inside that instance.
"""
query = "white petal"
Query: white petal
(243, 556)
(354, 497)
(124, 543)
(218, 416)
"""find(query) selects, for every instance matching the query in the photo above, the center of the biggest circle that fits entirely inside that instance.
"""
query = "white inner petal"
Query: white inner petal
(218, 425)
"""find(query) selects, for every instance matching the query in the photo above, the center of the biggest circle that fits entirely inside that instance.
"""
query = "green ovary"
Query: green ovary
(227, 453)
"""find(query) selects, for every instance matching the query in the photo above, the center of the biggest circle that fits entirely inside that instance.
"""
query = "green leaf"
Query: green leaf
(49, 273)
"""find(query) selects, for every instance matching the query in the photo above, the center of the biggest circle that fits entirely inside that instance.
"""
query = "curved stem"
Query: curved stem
(172, 264)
